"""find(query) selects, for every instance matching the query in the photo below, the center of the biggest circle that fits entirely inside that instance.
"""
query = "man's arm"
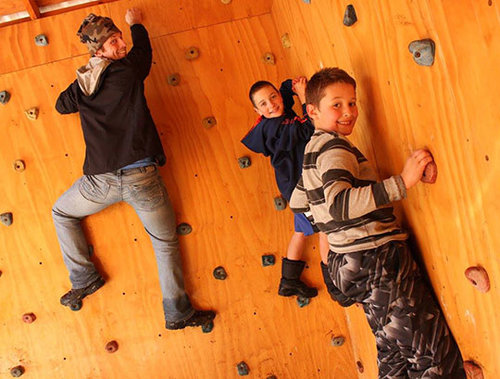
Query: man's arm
(141, 54)
(66, 102)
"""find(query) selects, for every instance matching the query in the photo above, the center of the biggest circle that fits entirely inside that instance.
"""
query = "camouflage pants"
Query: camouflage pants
(413, 339)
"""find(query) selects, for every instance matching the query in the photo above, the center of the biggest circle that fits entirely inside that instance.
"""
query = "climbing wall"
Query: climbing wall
(450, 108)
(230, 209)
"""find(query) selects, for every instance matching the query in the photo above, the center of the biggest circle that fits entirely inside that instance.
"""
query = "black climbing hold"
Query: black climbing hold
(338, 341)
(192, 53)
(242, 368)
(6, 218)
(19, 165)
(209, 122)
(268, 260)
(302, 301)
(4, 97)
(279, 203)
(17, 371)
(350, 15)
(76, 306)
(184, 229)
(423, 51)
(268, 58)
(220, 273)
(174, 79)
(31, 113)
(41, 40)
(244, 162)
(207, 328)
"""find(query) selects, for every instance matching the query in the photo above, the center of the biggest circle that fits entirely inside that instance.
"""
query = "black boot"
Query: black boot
(199, 318)
(334, 292)
(290, 283)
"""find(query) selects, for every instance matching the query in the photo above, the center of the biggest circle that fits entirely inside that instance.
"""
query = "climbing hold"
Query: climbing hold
(242, 368)
(244, 162)
(31, 113)
(225, 1)
(192, 53)
(268, 260)
(75, 307)
(285, 41)
(479, 278)
(423, 51)
(174, 79)
(6, 218)
(17, 371)
(268, 58)
(207, 328)
(350, 15)
(220, 273)
(41, 40)
(19, 165)
(184, 229)
(361, 369)
(272, 377)
(472, 370)
(307, 1)
(430, 173)
(279, 203)
(111, 346)
(338, 341)
(209, 122)
(28, 318)
(302, 301)
(4, 97)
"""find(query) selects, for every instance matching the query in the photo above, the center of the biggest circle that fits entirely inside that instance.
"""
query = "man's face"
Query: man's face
(114, 48)
(268, 102)
(337, 111)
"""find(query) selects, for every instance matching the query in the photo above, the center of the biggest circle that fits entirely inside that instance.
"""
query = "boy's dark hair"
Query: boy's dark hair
(315, 89)
(257, 86)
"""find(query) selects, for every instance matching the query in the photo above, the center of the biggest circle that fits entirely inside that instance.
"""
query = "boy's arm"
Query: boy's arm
(287, 94)
(66, 102)
(298, 201)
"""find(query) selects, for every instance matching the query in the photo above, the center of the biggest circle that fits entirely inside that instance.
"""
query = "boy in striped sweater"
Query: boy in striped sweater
(369, 260)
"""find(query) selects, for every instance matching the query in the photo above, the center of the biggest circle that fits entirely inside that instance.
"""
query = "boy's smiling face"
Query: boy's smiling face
(268, 102)
(337, 110)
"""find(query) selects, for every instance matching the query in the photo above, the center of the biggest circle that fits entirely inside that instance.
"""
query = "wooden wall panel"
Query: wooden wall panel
(448, 108)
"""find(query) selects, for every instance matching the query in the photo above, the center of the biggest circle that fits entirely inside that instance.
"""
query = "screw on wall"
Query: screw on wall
(174, 79)
(338, 341)
(268, 58)
(19, 165)
(268, 260)
(184, 229)
(279, 203)
(111, 346)
(17, 371)
(6, 218)
(31, 113)
(244, 162)
(192, 53)
(350, 17)
(4, 97)
(285, 41)
(29, 318)
(478, 276)
(220, 273)
(303, 301)
(473, 370)
(423, 51)
(41, 40)
(209, 122)
(242, 368)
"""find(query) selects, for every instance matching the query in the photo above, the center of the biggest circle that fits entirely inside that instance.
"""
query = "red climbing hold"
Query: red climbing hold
(430, 173)
(28, 318)
(479, 278)
(111, 346)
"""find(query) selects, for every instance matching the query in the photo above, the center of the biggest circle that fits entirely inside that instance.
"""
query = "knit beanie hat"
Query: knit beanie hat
(95, 30)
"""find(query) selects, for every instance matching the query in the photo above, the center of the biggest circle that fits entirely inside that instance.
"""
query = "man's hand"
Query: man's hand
(414, 167)
(133, 16)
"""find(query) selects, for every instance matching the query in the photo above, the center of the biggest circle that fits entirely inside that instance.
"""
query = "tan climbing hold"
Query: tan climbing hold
(209, 122)
(472, 370)
(285, 41)
(192, 53)
(479, 278)
(19, 165)
(430, 173)
(268, 58)
(31, 113)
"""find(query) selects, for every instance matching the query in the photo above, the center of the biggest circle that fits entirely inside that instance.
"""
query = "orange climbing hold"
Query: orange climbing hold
(479, 278)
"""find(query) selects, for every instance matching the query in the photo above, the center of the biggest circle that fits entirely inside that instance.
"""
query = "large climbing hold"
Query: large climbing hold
(479, 278)
(41, 40)
(423, 51)
(4, 97)
(350, 17)
(430, 173)
(6, 218)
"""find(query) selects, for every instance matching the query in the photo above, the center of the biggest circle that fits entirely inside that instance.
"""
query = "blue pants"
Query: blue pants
(144, 190)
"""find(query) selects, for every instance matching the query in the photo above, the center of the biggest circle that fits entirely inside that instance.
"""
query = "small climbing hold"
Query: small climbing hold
(285, 41)
(41, 40)
(338, 341)
(350, 17)
(268, 260)
(184, 229)
(19, 165)
(174, 79)
(242, 368)
(244, 162)
(272, 377)
(423, 51)
(6, 218)
(192, 53)
(75, 307)
(112, 346)
(478, 276)
(4, 97)
(207, 328)
(28, 318)
(307, 1)
(31, 113)
(268, 58)
(209, 122)
(360, 366)
(220, 273)
(17, 371)
(303, 301)
(225, 1)
(279, 203)
(472, 370)
(430, 173)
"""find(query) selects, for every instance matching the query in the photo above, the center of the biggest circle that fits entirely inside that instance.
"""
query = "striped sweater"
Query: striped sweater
(340, 189)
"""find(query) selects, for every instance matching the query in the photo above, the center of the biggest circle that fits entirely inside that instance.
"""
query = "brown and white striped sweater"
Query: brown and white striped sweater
(340, 189)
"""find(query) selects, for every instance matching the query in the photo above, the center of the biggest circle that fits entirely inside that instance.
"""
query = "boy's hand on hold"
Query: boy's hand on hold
(414, 167)
(299, 87)
(133, 16)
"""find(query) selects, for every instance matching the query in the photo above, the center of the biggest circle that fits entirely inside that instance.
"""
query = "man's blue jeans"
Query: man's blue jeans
(144, 190)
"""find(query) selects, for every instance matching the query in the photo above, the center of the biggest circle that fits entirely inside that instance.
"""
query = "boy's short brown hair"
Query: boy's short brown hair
(315, 89)
(257, 86)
